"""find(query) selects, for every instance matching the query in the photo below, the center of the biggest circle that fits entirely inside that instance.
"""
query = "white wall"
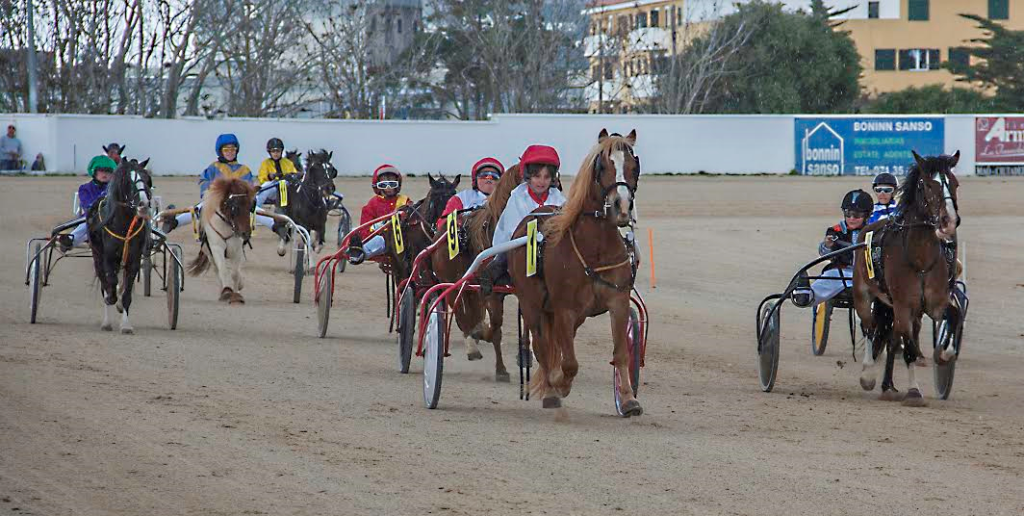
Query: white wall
(739, 144)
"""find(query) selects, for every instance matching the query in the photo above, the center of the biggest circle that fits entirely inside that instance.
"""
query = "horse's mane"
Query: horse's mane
(219, 190)
(481, 223)
(583, 185)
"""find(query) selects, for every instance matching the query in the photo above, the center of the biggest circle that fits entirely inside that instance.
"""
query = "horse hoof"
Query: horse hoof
(476, 355)
(868, 384)
(632, 408)
(921, 362)
(107, 327)
(281, 251)
(226, 293)
(551, 402)
(127, 330)
(945, 356)
(914, 399)
(890, 395)
(502, 377)
(237, 299)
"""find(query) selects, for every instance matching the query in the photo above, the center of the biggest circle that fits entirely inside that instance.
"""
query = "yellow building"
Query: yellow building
(902, 43)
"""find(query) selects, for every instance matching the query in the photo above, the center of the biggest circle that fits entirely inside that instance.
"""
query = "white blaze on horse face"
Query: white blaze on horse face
(950, 228)
(137, 181)
(619, 162)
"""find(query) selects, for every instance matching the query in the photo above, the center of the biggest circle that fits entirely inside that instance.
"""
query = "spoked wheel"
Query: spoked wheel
(344, 227)
(433, 353)
(406, 329)
(147, 273)
(323, 302)
(633, 340)
(943, 338)
(821, 315)
(300, 271)
(35, 281)
(768, 347)
(173, 280)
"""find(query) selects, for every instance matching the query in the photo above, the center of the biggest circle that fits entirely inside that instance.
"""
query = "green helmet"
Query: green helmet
(100, 162)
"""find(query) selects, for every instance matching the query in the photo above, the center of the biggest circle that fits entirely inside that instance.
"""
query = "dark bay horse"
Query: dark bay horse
(307, 204)
(586, 270)
(916, 271)
(118, 229)
(477, 229)
(418, 226)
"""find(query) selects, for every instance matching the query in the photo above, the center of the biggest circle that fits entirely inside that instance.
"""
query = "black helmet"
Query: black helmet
(885, 178)
(275, 144)
(858, 200)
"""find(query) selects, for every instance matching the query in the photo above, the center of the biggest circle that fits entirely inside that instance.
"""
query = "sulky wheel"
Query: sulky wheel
(944, 339)
(323, 302)
(173, 279)
(300, 271)
(821, 319)
(433, 352)
(35, 281)
(344, 227)
(633, 340)
(406, 329)
(768, 347)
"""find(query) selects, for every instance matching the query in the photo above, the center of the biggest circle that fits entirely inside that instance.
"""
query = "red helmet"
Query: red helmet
(486, 163)
(539, 154)
(385, 169)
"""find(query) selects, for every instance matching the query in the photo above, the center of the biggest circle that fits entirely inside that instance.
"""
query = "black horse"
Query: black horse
(296, 158)
(306, 203)
(118, 229)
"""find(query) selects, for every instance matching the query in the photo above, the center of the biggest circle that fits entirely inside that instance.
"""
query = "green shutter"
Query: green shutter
(885, 59)
(917, 10)
(959, 56)
(999, 9)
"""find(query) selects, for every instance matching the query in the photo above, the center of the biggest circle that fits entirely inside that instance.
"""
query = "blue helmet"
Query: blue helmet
(226, 139)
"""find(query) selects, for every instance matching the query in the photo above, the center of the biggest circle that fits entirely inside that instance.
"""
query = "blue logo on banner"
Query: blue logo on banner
(864, 146)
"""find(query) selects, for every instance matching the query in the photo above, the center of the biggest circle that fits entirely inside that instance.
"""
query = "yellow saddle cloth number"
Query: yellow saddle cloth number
(282, 188)
(867, 255)
(396, 230)
(531, 248)
(453, 235)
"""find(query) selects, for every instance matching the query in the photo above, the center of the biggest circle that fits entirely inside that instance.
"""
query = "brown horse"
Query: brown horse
(471, 309)
(226, 227)
(916, 272)
(585, 270)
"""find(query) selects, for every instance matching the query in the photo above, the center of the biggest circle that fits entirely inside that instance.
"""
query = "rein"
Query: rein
(132, 232)
(593, 273)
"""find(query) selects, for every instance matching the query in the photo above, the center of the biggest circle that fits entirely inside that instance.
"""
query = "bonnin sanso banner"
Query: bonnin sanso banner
(864, 146)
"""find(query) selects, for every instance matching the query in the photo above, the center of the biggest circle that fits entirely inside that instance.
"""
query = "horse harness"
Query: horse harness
(137, 223)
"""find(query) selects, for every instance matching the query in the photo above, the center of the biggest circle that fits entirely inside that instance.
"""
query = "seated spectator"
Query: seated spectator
(39, 165)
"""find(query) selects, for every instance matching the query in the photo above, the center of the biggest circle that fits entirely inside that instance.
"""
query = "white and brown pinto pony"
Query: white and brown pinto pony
(225, 226)
(585, 270)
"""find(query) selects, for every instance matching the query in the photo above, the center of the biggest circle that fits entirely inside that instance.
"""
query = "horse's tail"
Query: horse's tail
(199, 265)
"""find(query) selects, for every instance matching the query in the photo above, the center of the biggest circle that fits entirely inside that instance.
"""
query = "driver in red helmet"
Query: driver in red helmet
(540, 168)
(485, 174)
(387, 184)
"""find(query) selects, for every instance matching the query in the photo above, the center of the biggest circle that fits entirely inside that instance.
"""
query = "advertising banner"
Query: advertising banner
(864, 146)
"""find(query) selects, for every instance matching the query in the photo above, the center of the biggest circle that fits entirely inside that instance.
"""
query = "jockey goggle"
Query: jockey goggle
(854, 214)
(384, 185)
(488, 173)
(885, 189)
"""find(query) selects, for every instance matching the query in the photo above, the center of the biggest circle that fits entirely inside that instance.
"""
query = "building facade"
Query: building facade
(902, 43)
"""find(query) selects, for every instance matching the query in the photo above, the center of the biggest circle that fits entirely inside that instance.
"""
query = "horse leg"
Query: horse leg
(494, 313)
(547, 359)
(99, 267)
(868, 375)
(469, 317)
(889, 392)
(234, 263)
(563, 333)
(911, 355)
(619, 315)
(131, 271)
(217, 248)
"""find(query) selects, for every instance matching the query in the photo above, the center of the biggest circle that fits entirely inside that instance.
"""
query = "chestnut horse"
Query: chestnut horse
(477, 230)
(916, 271)
(585, 270)
(226, 227)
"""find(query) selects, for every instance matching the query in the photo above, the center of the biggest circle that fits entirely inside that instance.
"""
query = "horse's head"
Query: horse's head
(441, 189)
(321, 172)
(931, 191)
(617, 172)
(132, 186)
(296, 158)
(236, 203)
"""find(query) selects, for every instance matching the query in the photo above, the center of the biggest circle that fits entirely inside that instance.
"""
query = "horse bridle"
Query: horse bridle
(605, 190)
(947, 195)
(234, 208)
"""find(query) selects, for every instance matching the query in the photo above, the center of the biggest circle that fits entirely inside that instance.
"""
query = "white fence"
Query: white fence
(668, 144)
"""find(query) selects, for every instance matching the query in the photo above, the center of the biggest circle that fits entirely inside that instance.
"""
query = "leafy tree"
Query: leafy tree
(932, 99)
(999, 63)
(791, 63)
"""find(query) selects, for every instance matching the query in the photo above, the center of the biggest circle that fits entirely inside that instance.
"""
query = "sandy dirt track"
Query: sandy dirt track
(243, 410)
